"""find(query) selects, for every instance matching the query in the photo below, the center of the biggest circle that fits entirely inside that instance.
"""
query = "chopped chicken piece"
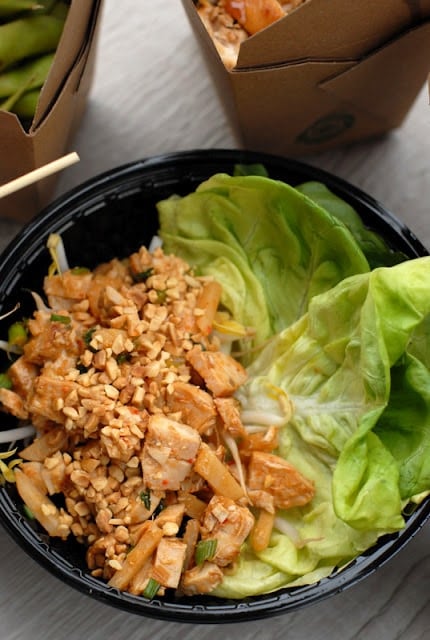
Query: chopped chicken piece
(46, 397)
(221, 373)
(50, 340)
(254, 15)
(262, 500)
(275, 475)
(229, 412)
(229, 524)
(69, 286)
(168, 562)
(171, 515)
(45, 445)
(169, 452)
(13, 403)
(201, 579)
(196, 406)
(22, 374)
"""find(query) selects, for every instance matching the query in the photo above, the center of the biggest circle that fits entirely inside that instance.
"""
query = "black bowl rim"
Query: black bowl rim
(200, 610)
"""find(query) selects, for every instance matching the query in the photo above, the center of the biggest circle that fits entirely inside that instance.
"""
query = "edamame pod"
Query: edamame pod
(31, 74)
(10, 8)
(27, 37)
(25, 107)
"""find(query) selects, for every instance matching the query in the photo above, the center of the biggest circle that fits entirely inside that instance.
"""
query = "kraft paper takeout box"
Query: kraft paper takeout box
(60, 107)
(331, 72)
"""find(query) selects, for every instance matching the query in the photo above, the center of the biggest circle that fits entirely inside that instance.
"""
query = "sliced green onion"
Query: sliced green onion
(79, 271)
(123, 357)
(88, 335)
(55, 317)
(17, 334)
(205, 550)
(142, 276)
(28, 512)
(5, 381)
(151, 588)
(145, 496)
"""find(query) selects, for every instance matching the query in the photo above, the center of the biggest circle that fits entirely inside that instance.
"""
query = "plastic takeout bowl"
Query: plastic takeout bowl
(110, 216)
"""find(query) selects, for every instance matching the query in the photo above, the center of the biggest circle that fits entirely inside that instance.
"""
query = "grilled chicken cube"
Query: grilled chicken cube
(47, 395)
(201, 579)
(196, 406)
(169, 452)
(22, 374)
(220, 372)
(50, 340)
(70, 287)
(168, 562)
(276, 476)
(229, 524)
(12, 403)
(229, 412)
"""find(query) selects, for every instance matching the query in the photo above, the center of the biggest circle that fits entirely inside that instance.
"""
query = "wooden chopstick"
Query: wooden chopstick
(37, 174)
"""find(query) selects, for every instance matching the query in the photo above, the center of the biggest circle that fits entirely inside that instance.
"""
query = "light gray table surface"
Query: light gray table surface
(152, 95)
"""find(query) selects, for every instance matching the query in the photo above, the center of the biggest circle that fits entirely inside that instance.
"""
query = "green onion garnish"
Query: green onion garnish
(5, 381)
(205, 550)
(145, 496)
(17, 334)
(123, 357)
(55, 317)
(142, 276)
(28, 512)
(88, 335)
(79, 271)
(151, 588)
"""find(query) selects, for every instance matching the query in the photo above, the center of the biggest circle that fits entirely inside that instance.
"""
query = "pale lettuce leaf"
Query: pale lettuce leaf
(361, 423)
(272, 248)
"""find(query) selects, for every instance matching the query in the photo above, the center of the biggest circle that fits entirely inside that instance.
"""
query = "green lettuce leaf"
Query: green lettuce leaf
(376, 250)
(271, 247)
(361, 423)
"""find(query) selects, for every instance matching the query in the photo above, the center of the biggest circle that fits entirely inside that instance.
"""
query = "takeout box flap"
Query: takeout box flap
(385, 83)
(333, 30)
(73, 41)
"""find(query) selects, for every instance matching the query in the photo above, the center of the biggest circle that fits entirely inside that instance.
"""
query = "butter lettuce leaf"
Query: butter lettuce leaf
(361, 423)
(272, 248)
(376, 250)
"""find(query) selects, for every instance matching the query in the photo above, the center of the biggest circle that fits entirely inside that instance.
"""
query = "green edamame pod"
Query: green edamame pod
(28, 37)
(10, 8)
(25, 106)
(59, 10)
(31, 74)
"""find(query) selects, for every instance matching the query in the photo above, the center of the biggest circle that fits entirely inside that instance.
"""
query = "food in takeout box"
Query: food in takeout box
(230, 22)
(321, 75)
(44, 79)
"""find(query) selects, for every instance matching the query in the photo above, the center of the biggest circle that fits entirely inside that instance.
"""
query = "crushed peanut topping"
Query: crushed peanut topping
(131, 402)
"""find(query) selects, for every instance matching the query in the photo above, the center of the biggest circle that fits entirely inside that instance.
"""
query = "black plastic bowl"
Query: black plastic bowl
(111, 216)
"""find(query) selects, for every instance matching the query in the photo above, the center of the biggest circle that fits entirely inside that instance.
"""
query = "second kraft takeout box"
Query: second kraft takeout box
(59, 111)
(330, 73)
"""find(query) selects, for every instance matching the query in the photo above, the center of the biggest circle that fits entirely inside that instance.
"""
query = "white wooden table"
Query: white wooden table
(152, 95)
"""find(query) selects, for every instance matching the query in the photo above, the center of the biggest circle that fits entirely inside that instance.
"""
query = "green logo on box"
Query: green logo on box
(326, 128)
